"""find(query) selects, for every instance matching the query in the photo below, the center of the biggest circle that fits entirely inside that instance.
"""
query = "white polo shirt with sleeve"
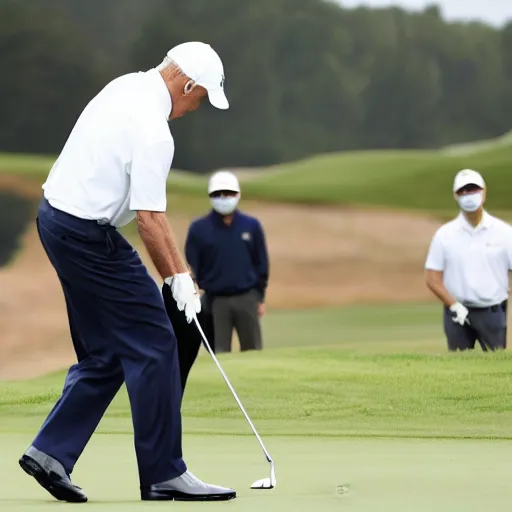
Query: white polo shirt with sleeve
(119, 154)
(475, 261)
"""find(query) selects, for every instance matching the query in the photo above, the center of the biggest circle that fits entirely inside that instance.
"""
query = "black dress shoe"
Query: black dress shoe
(186, 487)
(51, 475)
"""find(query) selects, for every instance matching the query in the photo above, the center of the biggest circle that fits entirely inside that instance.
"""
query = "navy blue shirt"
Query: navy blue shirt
(228, 259)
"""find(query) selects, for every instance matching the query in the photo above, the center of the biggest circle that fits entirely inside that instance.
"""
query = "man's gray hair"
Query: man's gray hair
(168, 62)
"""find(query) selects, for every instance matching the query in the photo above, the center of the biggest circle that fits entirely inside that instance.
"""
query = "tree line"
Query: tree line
(302, 76)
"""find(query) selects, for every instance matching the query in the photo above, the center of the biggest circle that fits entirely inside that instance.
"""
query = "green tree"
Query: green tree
(47, 78)
(302, 76)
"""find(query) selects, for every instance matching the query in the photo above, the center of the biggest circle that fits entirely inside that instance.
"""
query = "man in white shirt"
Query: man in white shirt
(467, 268)
(112, 170)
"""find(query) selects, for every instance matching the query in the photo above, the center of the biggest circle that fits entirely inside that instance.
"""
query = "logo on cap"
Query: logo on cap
(222, 81)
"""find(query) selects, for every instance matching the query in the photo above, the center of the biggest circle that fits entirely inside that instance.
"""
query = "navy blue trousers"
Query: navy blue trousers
(121, 333)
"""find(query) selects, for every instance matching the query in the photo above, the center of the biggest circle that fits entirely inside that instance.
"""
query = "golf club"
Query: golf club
(264, 483)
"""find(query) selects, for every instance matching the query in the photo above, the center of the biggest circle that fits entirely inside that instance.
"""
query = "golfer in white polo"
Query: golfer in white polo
(468, 266)
(111, 171)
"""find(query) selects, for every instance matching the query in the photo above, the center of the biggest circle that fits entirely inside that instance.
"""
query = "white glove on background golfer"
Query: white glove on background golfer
(185, 294)
(461, 313)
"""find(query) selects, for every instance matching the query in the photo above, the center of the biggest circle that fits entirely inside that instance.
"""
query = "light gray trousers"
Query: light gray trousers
(238, 312)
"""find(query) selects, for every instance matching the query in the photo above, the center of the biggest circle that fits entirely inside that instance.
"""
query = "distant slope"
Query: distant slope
(474, 147)
(35, 166)
(392, 179)
(397, 179)
(412, 179)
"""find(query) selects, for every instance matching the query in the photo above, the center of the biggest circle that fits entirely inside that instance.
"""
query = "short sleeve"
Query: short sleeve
(150, 169)
(509, 247)
(435, 256)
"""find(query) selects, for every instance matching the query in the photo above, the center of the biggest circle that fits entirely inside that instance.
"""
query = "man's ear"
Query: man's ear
(189, 87)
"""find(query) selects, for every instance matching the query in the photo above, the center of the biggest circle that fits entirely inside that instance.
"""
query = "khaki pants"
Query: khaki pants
(238, 312)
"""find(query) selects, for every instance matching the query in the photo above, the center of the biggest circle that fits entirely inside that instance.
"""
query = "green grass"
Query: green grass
(414, 180)
(312, 474)
(364, 397)
(399, 179)
(420, 180)
(31, 166)
(356, 371)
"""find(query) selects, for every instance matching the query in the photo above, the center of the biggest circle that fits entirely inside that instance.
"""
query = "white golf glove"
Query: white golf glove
(461, 313)
(185, 294)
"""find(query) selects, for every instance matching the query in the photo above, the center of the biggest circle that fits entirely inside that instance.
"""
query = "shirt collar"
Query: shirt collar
(162, 95)
(484, 223)
(217, 217)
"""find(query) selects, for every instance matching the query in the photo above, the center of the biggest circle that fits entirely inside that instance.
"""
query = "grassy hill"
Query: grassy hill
(398, 179)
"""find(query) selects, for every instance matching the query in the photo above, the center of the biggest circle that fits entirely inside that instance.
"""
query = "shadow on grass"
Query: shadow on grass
(55, 503)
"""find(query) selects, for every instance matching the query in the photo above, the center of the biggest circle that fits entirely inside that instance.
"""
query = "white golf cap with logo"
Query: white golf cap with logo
(201, 63)
(468, 177)
(223, 180)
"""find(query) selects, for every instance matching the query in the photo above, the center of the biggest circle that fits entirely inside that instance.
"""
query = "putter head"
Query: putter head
(266, 483)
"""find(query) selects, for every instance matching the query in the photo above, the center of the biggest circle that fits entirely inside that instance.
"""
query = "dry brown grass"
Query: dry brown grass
(319, 256)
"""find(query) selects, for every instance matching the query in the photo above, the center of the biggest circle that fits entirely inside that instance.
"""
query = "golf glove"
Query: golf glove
(185, 294)
(461, 313)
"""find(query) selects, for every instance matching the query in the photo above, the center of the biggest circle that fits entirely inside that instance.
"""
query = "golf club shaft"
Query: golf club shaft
(208, 348)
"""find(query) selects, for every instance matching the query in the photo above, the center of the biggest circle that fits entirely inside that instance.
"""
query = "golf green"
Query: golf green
(312, 474)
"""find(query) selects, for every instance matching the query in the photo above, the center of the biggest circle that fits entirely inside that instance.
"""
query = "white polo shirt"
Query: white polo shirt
(119, 154)
(475, 261)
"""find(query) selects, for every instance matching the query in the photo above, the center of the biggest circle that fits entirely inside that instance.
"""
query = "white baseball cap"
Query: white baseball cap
(201, 63)
(223, 180)
(467, 177)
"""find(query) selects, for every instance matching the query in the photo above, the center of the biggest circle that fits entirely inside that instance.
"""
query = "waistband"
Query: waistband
(231, 293)
(73, 219)
(493, 308)
(95, 229)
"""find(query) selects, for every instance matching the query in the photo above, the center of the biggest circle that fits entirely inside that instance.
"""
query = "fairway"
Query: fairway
(360, 405)
(361, 408)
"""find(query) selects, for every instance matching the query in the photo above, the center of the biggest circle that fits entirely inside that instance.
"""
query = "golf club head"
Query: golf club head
(266, 483)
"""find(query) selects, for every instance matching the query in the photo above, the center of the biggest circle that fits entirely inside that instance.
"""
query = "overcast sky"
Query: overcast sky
(495, 12)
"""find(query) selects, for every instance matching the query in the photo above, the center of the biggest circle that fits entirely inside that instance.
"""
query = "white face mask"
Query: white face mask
(470, 202)
(225, 205)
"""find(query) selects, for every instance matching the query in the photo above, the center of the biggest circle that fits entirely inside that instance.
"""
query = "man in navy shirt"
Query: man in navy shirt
(227, 253)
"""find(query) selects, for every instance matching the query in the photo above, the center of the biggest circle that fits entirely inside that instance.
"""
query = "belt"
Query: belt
(493, 308)
(231, 293)
(84, 224)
